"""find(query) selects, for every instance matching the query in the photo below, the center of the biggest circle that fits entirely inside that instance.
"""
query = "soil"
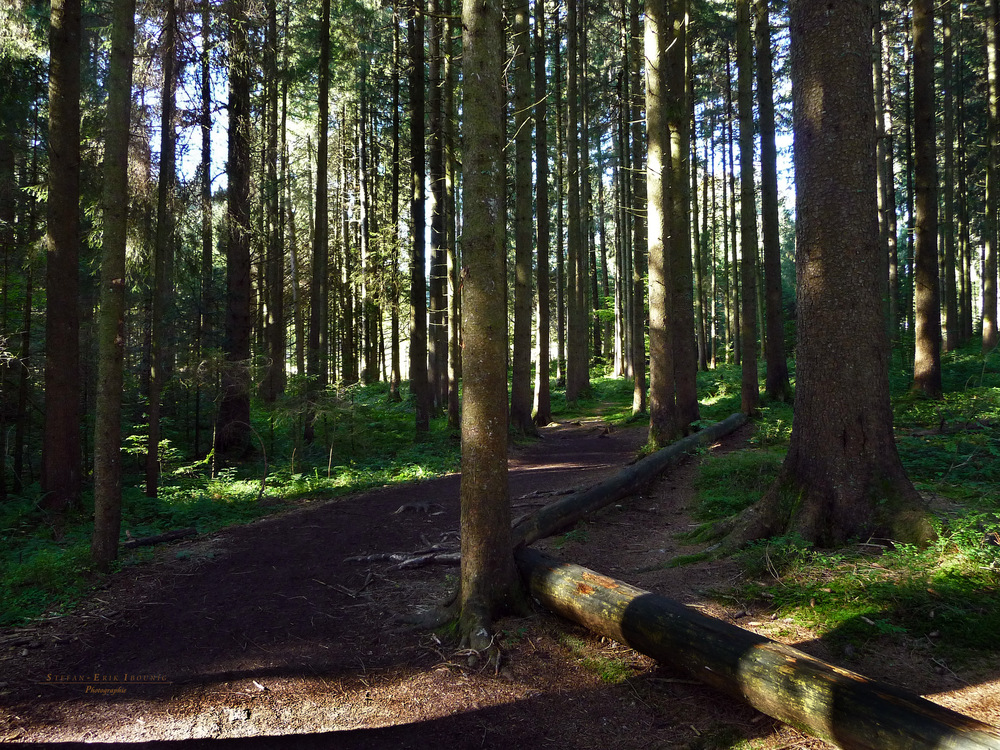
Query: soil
(268, 634)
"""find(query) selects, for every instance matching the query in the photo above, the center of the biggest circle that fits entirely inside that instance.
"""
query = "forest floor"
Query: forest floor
(266, 631)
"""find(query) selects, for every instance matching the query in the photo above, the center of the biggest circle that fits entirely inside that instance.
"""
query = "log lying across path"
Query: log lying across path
(827, 702)
(565, 512)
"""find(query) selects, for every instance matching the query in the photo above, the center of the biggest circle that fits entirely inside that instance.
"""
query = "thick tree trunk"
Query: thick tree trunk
(842, 477)
(828, 702)
(61, 451)
(111, 325)
(489, 583)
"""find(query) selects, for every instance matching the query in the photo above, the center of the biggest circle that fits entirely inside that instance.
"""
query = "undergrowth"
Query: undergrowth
(944, 599)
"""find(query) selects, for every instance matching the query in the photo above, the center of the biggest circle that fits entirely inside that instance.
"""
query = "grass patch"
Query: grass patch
(729, 482)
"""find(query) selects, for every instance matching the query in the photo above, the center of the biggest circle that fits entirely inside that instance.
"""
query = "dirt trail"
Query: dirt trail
(265, 630)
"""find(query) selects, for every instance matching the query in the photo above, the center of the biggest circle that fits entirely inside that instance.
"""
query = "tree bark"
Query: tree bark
(640, 244)
(828, 702)
(61, 450)
(662, 404)
(989, 288)
(750, 388)
(776, 382)
(111, 322)
(419, 386)
(232, 435)
(542, 406)
(520, 393)
(927, 297)
(489, 583)
(163, 248)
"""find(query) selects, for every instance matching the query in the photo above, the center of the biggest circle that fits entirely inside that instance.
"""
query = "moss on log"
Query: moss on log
(566, 511)
(823, 700)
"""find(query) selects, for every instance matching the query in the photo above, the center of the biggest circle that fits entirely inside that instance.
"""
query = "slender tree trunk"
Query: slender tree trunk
(989, 305)
(662, 404)
(454, 294)
(520, 395)
(678, 238)
(61, 450)
(318, 295)
(232, 435)
(927, 300)
(560, 195)
(950, 287)
(577, 364)
(750, 390)
(419, 386)
(111, 326)
(489, 580)
(162, 248)
(733, 280)
(205, 319)
(887, 180)
(395, 375)
(274, 287)
(640, 244)
(437, 371)
(542, 406)
(777, 386)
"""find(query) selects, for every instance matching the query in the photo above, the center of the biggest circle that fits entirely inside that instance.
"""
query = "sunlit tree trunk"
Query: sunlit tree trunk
(395, 375)
(662, 404)
(542, 406)
(989, 291)
(639, 200)
(489, 580)
(111, 325)
(949, 288)
(927, 299)
(437, 370)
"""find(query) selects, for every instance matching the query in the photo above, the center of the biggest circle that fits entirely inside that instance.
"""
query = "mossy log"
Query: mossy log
(823, 700)
(566, 511)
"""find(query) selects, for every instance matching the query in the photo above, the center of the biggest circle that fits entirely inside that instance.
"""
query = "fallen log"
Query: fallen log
(167, 536)
(823, 700)
(557, 515)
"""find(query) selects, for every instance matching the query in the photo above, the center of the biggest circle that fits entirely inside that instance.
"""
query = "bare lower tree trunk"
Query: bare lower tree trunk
(542, 406)
(520, 395)
(111, 325)
(489, 581)
(927, 297)
(750, 390)
(61, 451)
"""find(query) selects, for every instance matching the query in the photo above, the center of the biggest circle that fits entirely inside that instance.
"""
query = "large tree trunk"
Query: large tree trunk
(520, 393)
(111, 325)
(776, 385)
(61, 450)
(927, 296)
(489, 583)
(828, 702)
(842, 477)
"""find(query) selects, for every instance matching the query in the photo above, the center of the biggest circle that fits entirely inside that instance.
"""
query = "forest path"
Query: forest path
(265, 630)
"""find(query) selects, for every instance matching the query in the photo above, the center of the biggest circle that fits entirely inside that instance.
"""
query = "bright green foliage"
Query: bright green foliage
(730, 482)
